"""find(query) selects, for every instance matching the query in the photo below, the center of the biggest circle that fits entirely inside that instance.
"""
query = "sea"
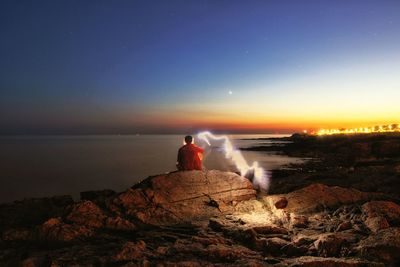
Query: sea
(40, 166)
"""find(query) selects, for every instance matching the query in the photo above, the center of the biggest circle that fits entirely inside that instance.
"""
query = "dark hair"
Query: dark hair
(188, 139)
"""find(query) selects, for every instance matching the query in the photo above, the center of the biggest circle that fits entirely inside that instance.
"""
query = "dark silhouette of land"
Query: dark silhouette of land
(368, 162)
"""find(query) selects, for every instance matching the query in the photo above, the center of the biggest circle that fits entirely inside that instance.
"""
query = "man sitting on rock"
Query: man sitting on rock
(189, 156)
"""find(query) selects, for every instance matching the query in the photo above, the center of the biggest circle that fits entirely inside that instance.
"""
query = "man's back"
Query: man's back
(189, 158)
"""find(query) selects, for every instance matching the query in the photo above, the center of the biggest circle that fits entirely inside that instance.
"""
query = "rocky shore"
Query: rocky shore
(368, 162)
(199, 218)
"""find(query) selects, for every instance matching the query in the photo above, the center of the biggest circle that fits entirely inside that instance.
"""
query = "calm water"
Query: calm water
(36, 166)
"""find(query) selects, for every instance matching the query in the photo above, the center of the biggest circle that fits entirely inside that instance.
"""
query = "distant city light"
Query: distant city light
(364, 130)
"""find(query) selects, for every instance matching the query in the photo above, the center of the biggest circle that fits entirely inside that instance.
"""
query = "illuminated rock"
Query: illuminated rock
(281, 203)
(387, 209)
(183, 196)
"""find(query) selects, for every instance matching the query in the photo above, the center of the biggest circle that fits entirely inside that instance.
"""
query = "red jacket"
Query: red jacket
(189, 157)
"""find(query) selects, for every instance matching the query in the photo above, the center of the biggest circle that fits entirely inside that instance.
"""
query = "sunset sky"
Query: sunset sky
(183, 66)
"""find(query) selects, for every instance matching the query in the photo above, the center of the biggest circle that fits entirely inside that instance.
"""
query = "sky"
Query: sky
(125, 67)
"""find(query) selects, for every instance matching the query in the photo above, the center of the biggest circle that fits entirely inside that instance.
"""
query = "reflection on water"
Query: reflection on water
(36, 166)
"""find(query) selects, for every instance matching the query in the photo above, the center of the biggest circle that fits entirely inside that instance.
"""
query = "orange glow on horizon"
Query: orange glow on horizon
(247, 121)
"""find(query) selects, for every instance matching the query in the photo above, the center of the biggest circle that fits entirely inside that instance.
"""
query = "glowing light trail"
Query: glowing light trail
(260, 178)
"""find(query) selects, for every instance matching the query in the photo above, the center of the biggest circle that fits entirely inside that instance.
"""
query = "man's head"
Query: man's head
(188, 139)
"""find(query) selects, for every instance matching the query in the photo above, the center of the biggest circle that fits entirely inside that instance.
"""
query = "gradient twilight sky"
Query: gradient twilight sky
(181, 66)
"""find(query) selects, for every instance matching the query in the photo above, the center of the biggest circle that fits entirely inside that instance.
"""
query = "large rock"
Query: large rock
(381, 215)
(183, 196)
(317, 197)
(88, 214)
(387, 209)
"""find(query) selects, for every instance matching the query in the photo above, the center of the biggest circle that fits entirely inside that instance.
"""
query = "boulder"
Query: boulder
(317, 197)
(88, 214)
(183, 196)
(386, 209)
(381, 215)
(281, 203)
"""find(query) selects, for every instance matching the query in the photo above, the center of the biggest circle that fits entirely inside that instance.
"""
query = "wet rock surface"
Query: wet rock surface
(209, 218)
